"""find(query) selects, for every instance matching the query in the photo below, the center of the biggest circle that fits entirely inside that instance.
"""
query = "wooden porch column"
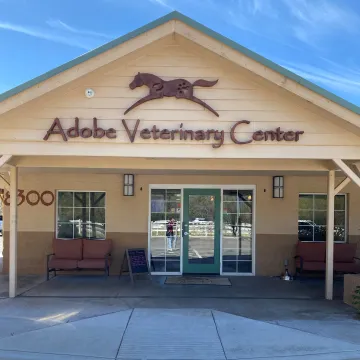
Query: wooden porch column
(330, 236)
(13, 232)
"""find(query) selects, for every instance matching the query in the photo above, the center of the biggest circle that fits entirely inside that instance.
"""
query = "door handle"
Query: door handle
(184, 232)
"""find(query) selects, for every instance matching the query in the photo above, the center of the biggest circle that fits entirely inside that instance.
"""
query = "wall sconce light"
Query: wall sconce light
(278, 187)
(129, 184)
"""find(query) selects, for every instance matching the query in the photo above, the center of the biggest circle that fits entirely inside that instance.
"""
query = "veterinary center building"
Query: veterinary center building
(175, 139)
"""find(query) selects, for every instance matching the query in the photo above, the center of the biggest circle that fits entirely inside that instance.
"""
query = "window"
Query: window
(312, 217)
(278, 187)
(165, 230)
(80, 215)
(237, 231)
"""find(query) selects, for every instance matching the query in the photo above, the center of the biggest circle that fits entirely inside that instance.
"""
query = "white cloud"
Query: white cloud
(247, 14)
(42, 34)
(60, 25)
(260, 7)
(314, 19)
(59, 32)
(163, 3)
(282, 21)
(345, 81)
(303, 35)
(259, 17)
(318, 12)
(350, 67)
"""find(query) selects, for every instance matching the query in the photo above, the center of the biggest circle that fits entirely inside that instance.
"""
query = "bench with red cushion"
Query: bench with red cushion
(345, 259)
(95, 252)
(311, 256)
(79, 254)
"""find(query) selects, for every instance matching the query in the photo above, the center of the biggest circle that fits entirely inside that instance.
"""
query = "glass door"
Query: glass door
(201, 231)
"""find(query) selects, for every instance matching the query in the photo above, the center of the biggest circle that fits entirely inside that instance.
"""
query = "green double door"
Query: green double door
(201, 231)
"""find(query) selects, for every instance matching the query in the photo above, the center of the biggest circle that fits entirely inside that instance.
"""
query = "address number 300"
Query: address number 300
(32, 197)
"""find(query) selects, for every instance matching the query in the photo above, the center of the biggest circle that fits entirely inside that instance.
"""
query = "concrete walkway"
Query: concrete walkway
(172, 334)
(24, 283)
(257, 287)
(133, 329)
(81, 317)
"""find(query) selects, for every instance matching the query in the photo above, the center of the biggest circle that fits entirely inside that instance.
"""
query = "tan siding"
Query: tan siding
(123, 81)
(172, 71)
(29, 119)
(166, 165)
(122, 137)
(178, 151)
(309, 128)
(173, 104)
(214, 93)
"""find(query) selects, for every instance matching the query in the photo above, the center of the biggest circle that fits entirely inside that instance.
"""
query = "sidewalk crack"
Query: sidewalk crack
(218, 334)
(122, 338)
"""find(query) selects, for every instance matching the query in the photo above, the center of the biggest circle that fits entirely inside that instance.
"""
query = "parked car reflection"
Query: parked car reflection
(79, 228)
(308, 230)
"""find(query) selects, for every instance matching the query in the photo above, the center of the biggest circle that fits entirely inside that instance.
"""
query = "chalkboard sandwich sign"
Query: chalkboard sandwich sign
(136, 261)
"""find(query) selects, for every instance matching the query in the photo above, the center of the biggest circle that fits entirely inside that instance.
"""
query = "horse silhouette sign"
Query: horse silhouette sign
(179, 88)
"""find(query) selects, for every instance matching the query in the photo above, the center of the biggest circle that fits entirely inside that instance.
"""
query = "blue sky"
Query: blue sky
(317, 39)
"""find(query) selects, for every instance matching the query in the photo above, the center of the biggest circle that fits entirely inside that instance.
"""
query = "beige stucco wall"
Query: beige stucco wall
(127, 217)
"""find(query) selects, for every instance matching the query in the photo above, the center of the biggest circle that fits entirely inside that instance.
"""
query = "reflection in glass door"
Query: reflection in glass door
(201, 231)
(237, 231)
(165, 230)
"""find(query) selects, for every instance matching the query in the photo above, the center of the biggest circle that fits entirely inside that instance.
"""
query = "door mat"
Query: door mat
(197, 280)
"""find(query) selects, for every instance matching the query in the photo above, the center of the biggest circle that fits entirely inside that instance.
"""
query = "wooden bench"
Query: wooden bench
(311, 256)
(79, 254)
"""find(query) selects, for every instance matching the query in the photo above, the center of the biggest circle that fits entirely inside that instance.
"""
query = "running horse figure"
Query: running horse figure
(179, 88)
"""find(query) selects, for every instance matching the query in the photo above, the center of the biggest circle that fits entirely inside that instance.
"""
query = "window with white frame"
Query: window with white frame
(165, 230)
(80, 214)
(312, 217)
(237, 231)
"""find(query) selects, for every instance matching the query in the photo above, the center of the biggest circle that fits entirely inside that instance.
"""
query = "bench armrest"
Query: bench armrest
(48, 257)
